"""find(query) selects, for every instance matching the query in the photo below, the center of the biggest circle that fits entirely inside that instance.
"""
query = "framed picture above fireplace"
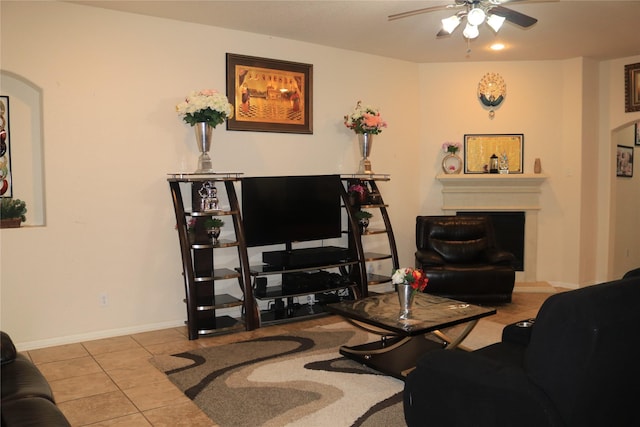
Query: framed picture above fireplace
(478, 150)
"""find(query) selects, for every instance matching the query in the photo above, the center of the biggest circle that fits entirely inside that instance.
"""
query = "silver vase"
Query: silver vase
(214, 234)
(203, 138)
(405, 296)
(365, 140)
(363, 223)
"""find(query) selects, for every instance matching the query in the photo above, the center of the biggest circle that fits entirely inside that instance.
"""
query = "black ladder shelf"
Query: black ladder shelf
(198, 256)
(373, 201)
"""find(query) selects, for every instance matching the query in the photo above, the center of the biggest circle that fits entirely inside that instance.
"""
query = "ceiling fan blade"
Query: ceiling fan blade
(512, 16)
(421, 11)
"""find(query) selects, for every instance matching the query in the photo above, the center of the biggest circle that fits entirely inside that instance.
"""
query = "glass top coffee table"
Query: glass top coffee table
(402, 340)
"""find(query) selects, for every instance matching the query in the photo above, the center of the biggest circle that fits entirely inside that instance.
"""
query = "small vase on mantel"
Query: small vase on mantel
(203, 138)
(405, 297)
(537, 166)
(451, 163)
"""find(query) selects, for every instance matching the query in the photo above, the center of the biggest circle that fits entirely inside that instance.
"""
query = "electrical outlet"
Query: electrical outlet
(104, 300)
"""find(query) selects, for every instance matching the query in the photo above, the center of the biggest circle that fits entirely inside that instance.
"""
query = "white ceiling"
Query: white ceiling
(565, 28)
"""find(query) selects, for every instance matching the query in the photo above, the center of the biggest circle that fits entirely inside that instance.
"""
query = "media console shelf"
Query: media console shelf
(313, 278)
(303, 291)
(198, 255)
(373, 201)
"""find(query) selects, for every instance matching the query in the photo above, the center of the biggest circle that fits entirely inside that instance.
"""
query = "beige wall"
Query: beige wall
(620, 206)
(543, 102)
(626, 211)
(109, 84)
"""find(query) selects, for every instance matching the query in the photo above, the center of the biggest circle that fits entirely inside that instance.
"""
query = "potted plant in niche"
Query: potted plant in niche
(12, 212)
(363, 220)
(213, 228)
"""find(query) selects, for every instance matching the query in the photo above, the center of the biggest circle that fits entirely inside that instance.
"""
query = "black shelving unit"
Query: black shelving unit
(375, 201)
(198, 256)
(201, 273)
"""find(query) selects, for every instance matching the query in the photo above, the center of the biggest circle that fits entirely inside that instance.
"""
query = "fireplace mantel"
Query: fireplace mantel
(498, 193)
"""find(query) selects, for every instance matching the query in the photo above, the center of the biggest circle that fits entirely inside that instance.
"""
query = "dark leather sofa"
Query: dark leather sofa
(27, 400)
(460, 257)
(577, 365)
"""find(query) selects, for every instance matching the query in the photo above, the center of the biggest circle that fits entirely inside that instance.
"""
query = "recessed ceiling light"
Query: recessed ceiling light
(497, 46)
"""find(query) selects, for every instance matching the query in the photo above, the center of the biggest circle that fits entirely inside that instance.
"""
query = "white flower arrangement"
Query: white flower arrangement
(207, 106)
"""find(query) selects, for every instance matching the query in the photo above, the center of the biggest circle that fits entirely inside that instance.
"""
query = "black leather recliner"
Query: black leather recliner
(459, 256)
(575, 365)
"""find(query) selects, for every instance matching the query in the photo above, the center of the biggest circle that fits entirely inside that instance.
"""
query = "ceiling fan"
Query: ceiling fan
(476, 12)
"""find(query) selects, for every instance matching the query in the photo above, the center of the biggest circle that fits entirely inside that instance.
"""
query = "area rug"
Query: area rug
(297, 379)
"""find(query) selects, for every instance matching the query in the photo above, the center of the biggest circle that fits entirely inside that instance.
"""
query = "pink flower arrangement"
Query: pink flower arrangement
(451, 147)
(365, 119)
(357, 188)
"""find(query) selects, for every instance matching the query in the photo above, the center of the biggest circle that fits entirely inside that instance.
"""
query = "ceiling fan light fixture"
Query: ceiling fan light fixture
(471, 31)
(495, 22)
(450, 24)
(476, 16)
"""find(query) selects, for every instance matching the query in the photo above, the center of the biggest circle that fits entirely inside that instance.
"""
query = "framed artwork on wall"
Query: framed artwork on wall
(478, 150)
(636, 133)
(6, 187)
(632, 87)
(624, 161)
(269, 95)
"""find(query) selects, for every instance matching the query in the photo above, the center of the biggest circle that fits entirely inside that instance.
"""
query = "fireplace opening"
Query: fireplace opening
(509, 229)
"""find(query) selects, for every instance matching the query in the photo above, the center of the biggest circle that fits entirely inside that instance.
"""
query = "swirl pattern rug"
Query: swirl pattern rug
(288, 380)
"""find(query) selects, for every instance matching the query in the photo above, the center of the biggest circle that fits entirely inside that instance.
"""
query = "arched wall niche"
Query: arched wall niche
(625, 205)
(27, 143)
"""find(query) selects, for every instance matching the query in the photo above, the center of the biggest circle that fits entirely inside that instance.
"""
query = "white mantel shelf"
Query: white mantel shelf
(493, 179)
(495, 193)
(491, 191)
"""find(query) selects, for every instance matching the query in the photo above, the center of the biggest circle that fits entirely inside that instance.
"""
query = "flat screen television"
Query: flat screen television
(286, 209)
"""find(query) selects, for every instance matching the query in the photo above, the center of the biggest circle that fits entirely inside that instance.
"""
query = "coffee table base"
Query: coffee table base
(403, 341)
(394, 356)
(397, 355)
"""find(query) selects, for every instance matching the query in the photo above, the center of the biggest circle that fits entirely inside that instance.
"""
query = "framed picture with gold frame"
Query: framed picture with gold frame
(269, 95)
(479, 148)
(632, 88)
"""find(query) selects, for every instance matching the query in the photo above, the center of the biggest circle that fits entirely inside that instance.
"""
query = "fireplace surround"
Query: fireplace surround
(499, 193)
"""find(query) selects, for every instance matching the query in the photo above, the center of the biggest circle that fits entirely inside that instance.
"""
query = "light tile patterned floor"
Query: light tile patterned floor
(110, 382)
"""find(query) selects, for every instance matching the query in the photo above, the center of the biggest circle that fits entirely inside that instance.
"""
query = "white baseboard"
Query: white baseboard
(91, 336)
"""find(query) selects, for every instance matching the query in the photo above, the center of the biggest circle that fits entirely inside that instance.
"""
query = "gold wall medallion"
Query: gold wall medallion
(491, 91)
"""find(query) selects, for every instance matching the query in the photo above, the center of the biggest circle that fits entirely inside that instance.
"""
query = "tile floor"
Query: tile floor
(110, 382)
